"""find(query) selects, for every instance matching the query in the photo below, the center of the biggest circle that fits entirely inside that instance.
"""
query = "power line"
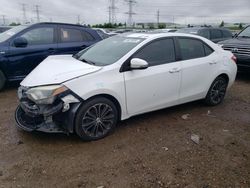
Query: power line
(37, 10)
(24, 12)
(130, 12)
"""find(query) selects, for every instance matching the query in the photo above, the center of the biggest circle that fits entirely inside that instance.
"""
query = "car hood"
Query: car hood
(237, 41)
(56, 70)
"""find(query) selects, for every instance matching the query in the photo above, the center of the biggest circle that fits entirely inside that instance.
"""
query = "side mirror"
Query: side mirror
(20, 42)
(137, 63)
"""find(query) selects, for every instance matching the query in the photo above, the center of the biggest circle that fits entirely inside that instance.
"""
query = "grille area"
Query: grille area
(239, 50)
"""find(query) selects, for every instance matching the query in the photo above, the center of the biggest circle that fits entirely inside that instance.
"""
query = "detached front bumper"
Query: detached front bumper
(54, 118)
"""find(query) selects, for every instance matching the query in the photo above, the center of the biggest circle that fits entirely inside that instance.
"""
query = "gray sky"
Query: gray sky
(96, 11)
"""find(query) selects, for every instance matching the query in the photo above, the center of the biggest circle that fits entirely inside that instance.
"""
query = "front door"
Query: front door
(157, 86)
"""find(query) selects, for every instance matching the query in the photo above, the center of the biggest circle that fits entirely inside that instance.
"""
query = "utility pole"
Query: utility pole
(24, 12)
(158, 18)
(78, 19)
(130, 12)
(37, 10)
(111, 10)
(4, 19)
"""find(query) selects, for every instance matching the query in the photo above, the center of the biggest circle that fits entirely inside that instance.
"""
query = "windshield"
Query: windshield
(9, 33)
(245, 33)
(108, 51)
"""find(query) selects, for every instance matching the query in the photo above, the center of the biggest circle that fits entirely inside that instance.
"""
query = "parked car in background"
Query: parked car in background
(121, 77)
(104, 33)
(240, 46)
(165, 30)
(214, 34)
(4, 28)
(23, 47)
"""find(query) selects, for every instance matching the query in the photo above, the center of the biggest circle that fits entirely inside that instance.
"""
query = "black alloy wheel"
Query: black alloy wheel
(96, 119)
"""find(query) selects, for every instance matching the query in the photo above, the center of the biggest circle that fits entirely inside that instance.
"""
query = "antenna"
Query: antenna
(37, 10)
(130, 12)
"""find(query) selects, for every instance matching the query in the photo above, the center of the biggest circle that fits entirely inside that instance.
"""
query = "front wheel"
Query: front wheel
(96, 119)
(217, 91)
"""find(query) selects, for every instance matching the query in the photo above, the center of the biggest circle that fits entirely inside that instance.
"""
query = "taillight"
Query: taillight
(234, 58)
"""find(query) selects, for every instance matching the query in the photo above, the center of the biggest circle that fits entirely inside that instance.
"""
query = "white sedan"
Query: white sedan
(120, 77)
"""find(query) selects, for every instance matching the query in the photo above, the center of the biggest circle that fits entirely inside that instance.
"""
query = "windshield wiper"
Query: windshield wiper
(87, 61)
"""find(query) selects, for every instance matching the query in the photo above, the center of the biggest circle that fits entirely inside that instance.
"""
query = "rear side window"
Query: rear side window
(87, 36)
(208, 50)
(70, 35)
(226, 34)
(158, 52)
(216, 34)
(191, 48)
(39, 36)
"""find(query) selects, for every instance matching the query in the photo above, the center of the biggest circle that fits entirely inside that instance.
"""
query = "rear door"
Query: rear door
(198, 67)
(73, 39)
(41, 44)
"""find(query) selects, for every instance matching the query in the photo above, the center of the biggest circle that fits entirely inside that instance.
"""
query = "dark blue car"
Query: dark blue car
(23, 47)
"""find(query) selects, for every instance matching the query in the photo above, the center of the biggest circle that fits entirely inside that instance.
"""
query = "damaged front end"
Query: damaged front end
(48, 109)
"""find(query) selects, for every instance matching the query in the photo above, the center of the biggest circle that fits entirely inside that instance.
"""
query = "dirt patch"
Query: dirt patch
(151, 150)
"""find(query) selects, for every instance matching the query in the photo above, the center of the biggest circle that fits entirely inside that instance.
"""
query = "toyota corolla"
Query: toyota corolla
(120, 77)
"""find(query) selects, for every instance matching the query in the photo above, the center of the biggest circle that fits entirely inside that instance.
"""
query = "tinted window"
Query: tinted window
(208, 50)
(227, 34)
(158, 52)
(216, 34)
(71, 35)
(44, 35)
(87, 37)
(191, 48)
(204, 33)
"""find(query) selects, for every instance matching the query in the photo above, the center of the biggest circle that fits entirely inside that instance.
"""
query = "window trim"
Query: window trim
(184, 37)
(125, 66)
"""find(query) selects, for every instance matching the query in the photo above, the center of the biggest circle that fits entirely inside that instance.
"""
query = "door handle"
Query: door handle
(51, 50)
(175, 70)
(213, 63)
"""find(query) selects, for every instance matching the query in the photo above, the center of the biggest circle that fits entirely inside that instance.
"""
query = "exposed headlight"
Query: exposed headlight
(45, 94)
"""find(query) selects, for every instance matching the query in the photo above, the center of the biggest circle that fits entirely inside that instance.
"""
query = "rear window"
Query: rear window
(216, 34)
(227, 34)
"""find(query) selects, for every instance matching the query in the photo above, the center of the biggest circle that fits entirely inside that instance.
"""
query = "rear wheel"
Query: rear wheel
(217, 91)
(2, 80)
(96, 119)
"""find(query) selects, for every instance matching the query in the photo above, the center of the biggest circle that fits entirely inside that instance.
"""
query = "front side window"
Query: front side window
(70, 35)
(191, 48)
(227, 34)
(38, 36)
(158, 52)
(216, 34)
(204, 33)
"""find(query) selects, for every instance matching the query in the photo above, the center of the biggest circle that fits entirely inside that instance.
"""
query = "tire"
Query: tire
(217, 91)
(96, 119)
(2, 80)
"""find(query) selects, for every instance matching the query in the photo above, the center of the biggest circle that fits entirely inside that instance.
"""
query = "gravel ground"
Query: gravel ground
(150, 150)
